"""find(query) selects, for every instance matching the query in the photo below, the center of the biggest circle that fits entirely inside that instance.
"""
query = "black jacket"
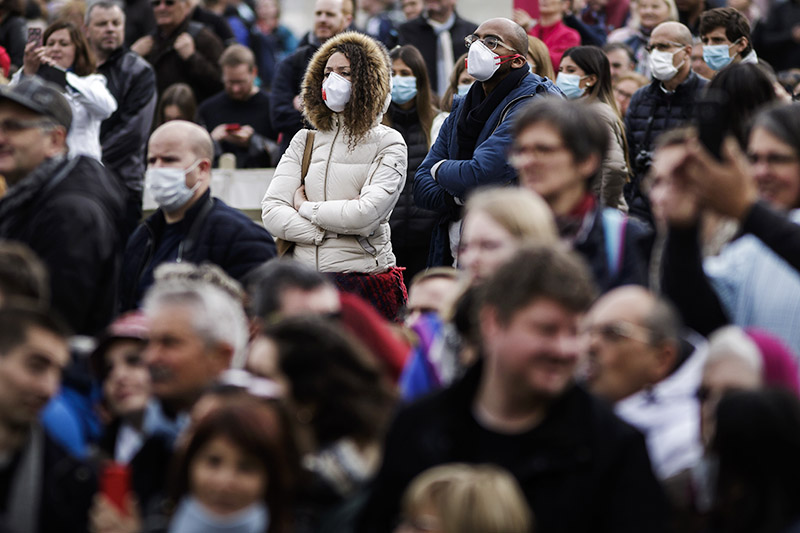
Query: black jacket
(139, 20)
(411, 225)
(214, 232)
(650, 113)
(773, 39)
(581, 469)
(124, 134)
(13, 39)
(285, 86)
(201, 71)
(69, 212)
(419, 33)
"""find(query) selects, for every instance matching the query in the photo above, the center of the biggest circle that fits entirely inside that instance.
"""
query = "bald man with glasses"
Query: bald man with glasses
(182, 50)
(472, 145)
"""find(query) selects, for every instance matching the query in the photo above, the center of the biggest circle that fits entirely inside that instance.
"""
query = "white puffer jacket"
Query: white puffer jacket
(351, 194)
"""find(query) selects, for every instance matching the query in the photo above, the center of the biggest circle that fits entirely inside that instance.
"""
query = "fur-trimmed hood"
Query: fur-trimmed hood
(371, 84)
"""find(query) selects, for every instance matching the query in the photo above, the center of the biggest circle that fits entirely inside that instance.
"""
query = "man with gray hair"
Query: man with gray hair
(132, 82)
(189, 225)
(197, 331)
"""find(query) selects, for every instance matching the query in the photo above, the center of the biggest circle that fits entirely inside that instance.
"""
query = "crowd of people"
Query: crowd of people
(534, 274)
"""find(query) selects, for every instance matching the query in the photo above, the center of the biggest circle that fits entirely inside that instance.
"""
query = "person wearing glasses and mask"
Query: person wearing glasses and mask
(666, 103)
(182, 50)
(471, 148)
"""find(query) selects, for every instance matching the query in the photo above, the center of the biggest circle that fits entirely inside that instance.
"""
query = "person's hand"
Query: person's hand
(219, 133)
(678, 202)
(105, 517)
(523, 18)
(241, 136)
(143, 45)
(297, 102)
(724, 186)
(300, 197)
(184, 45)
(32, 59)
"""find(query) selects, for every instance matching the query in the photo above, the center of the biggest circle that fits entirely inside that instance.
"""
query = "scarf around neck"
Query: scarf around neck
(478, 107)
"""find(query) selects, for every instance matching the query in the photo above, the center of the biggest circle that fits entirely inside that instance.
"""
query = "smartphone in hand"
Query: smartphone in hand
(35, 36)
(115, 484)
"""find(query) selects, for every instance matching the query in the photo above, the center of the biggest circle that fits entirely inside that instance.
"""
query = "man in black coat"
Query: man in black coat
(331, 17)
(42, 488)
(439, 35)
(67, 210)
(581, 468)
(238, 117)
(668, 102)
(190, 225)
(132, 82)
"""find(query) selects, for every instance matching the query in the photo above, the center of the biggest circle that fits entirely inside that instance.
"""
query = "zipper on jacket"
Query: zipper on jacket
(325, 183)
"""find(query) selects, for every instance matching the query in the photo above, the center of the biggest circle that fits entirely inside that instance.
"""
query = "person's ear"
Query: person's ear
(666, 357)
(519, 61)
(591, 80)
(204, 165)
(741, 45)
(57, 137)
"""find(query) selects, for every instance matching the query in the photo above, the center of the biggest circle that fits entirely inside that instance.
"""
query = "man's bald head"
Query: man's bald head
(512, 33)
(197, 138)
(673, 31)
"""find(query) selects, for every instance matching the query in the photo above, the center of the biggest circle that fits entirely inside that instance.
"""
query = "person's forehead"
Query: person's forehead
(494, 29)
(104, 13)
(43, 343)
(168, 139)
(334, 6)
(719, 31)
(624, 304)
(230, 71)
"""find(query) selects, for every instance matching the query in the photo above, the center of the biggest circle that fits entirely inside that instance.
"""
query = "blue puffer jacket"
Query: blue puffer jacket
(489, 165)
(214, 232)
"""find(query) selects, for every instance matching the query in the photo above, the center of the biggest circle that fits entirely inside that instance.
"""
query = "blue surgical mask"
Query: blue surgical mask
(192, 517)
(570, 85)
(717, 56)
(463, 88)
(404, 89)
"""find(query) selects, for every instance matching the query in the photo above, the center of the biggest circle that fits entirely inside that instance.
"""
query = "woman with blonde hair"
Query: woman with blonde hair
(539, 58)
(462, 498)
(336, 212)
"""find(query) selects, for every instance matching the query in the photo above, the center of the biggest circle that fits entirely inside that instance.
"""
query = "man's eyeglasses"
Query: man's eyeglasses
(11, 125)
(618, 331)
(663, 47)
(168, 3)
(489, 42)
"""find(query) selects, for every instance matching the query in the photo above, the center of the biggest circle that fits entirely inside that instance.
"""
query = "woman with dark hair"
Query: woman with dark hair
(746, 89)
(558, 150)
(177, 103)
(341, 400)
(586, 73)
(411, 113)
(758, 483)
(235, 472)
(67, 60)
(337, 214)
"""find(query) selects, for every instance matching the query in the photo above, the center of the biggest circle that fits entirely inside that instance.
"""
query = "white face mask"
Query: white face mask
(482, 63)
(661, 65)
(336, 92)
(168, 186)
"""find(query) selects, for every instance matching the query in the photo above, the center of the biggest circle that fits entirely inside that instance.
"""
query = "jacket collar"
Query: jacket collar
(157, 221)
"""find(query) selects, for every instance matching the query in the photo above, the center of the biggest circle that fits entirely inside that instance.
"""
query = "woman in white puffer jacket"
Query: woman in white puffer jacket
(339, 221)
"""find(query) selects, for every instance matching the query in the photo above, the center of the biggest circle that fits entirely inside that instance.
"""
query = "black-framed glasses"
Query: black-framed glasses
(663, 47)
(168, 3)
(12, 125)
(491, 42)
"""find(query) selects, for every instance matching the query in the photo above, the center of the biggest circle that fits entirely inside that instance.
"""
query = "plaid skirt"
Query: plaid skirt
(386, 292)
